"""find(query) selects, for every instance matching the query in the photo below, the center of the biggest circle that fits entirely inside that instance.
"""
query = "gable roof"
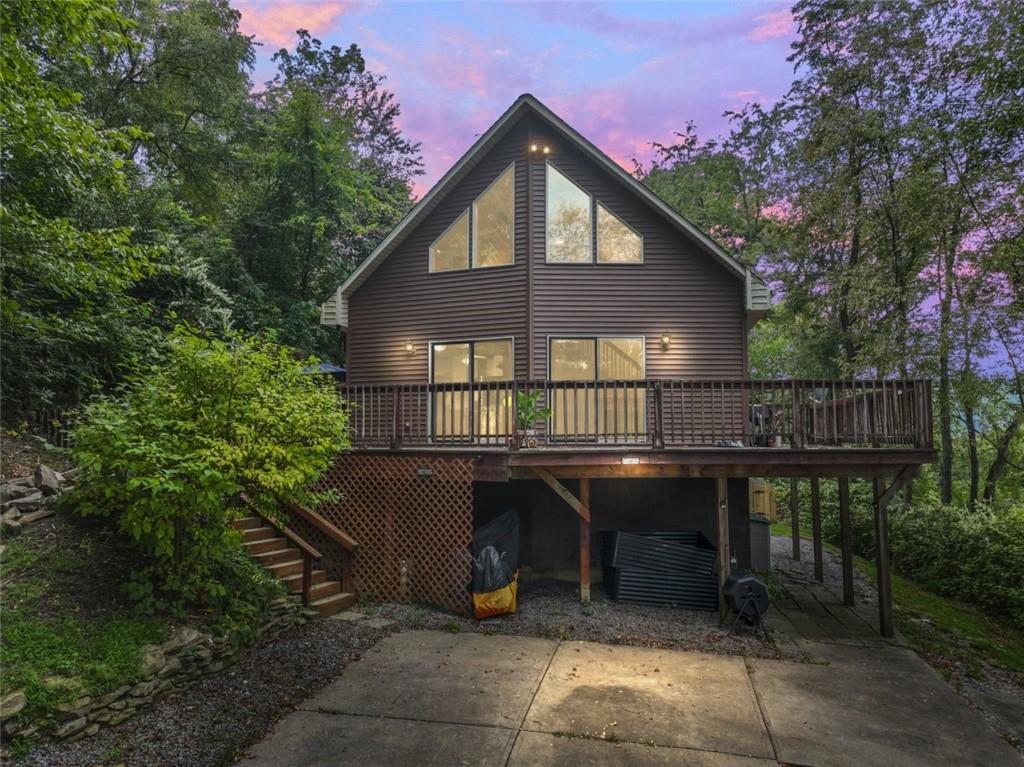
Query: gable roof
(334, 311)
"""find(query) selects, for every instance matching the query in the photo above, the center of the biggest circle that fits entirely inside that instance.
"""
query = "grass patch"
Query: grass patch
(948, 631)
(64, 618)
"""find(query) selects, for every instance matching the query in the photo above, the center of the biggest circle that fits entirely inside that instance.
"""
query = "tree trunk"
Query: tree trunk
(998, 466)
(945, 342)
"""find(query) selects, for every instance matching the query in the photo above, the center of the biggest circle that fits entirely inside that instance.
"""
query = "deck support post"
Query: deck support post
(585, 540)
(885, 626)
(819, 570)
(846, 540)
(581, 506)
(794, 515)
(722, 511)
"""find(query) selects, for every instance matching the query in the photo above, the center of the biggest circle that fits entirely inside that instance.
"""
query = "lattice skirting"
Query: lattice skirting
(413, 530)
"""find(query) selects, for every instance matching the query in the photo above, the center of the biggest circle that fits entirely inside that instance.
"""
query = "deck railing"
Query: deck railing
(656, 413)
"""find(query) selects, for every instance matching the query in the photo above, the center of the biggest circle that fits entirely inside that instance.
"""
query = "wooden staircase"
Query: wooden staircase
(289, 558)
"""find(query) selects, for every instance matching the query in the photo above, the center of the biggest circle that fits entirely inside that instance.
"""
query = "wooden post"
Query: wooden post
(882, 560)
(585, 540)
(722, 510)
(819, 570)
(794, 515)
(846, 540)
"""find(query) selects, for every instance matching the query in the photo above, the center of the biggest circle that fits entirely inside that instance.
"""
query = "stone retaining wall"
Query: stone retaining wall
(186, 656)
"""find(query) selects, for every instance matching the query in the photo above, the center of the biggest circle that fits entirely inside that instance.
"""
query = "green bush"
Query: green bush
(977, 557)
(186, 437)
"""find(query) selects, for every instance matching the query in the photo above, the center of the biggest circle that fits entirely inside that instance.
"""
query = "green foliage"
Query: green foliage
(212, 422)
(528, 409)
(66, 308)
(101, 655)
(976, 557)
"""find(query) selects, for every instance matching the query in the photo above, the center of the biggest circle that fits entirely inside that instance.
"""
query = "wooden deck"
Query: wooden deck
(655, 427)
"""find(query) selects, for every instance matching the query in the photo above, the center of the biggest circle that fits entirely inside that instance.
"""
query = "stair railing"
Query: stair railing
(309, 554)
(335, 534)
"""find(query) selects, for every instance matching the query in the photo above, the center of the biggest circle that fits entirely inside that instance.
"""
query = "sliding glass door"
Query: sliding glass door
(469, 402)
(598, 401)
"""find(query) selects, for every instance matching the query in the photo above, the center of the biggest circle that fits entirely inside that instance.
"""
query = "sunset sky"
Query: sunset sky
(624, 74)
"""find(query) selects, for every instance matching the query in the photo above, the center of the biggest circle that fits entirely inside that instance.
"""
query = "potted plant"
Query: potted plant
(528, 412)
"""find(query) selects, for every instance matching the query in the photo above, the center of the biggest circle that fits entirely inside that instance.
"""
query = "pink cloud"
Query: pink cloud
(772, 26)
(276, 22)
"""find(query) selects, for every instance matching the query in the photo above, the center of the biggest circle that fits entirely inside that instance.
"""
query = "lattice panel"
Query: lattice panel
(412, 530)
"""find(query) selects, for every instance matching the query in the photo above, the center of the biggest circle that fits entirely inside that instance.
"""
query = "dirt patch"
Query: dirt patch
(19, 454)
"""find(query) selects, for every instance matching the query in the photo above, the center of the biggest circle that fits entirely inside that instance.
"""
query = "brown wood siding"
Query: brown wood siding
(678, 289)
(404, 301)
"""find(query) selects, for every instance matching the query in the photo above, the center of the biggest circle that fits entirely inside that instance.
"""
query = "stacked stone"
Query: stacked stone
(24, 500)
(187, 655)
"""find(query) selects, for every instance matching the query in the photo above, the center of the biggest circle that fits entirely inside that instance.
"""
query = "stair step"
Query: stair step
(246, 523)
(333, 604)
(278, 556)
(325, 589)
(266, 545)
(258, 533)
(283, 569)
(294, 582)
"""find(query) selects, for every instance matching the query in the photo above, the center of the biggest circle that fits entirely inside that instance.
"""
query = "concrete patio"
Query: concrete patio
(431, 698)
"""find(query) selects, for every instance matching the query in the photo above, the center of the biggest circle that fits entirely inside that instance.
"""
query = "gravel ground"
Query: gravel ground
(552, 609)
(210, 723)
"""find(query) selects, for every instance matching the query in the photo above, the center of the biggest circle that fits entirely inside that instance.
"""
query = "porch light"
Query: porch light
(533, 147)
(666, 341)
(409, 348)
(547, 150)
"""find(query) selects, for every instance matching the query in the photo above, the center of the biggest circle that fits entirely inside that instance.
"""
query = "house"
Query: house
(542, 332)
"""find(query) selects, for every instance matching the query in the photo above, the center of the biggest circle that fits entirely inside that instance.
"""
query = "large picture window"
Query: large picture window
(568, 219)
(617, 242)
(494, 216)
(491, 219)
(601, 404)
(451, 250)
(467, 403)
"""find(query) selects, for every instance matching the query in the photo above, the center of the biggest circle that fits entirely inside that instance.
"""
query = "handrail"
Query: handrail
(308, 553)
(338, 536)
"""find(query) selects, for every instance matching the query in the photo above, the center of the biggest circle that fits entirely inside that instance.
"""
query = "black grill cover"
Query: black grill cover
(495, 551)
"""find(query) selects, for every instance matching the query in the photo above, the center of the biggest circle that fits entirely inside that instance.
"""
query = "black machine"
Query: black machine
(747, 597)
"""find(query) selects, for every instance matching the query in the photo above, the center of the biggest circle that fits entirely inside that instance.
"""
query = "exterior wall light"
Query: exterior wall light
(533, 147)
(547, 150)
(409, 348)
(666, 341)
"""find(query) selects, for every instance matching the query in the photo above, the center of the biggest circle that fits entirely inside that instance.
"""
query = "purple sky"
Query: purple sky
(623, 75)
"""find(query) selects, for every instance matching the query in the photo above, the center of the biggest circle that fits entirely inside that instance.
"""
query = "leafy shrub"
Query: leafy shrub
(186, 437)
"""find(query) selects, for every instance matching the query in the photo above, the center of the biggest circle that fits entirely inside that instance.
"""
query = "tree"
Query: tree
(327, 174)
(68, 315)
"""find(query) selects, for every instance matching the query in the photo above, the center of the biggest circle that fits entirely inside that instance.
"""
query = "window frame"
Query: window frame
(472, 221)
(593, 218)
(469, 244)
(625, 223)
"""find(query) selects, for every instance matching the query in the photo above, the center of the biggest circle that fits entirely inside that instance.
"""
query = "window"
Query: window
(568, 220)
(451, 250)
(617, 243)
(494, 214)
(602, 405)
(467, 404)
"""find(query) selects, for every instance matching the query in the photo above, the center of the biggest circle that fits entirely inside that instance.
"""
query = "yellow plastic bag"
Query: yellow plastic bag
(498, 602)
